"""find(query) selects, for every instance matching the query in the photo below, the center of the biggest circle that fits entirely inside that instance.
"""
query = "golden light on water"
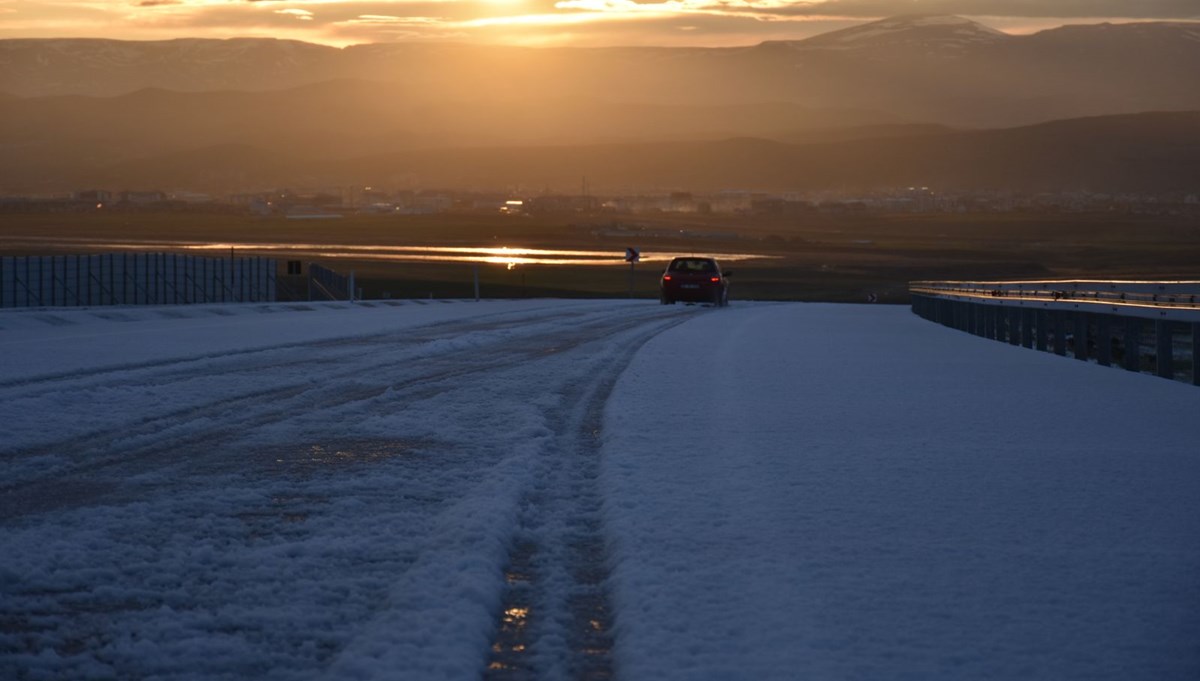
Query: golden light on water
(509, 256)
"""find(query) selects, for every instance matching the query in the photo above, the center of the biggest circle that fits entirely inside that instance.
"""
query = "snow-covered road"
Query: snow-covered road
(583, 489)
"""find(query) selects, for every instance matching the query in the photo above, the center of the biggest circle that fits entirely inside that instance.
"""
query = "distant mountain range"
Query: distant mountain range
(906, 100)
(944, 70)
(1153, 152)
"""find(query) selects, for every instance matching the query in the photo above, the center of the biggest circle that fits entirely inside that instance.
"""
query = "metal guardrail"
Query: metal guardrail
(1101, 321)
(326, 284)
(1177, 300)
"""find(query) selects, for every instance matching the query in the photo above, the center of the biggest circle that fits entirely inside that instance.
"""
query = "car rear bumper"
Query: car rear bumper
(701, 293)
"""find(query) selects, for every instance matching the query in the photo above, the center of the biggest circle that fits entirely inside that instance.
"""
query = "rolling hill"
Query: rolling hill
(929, 100)
(1151, 152)
(945, 70)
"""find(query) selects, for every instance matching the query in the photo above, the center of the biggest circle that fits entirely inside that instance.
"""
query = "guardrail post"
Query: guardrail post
(1060, 333)
(1165, 349)
(1195, 353)
(1133, 344)
(1014, 326)
(1081, 335)
(1104, 340)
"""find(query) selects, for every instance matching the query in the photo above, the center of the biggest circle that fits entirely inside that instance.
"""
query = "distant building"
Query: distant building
(562, 204)
(97, 196)
(141, 198)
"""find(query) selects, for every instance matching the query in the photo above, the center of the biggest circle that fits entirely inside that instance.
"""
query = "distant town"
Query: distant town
(339, 202)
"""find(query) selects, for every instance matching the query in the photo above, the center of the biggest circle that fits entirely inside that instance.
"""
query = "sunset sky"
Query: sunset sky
(538, 22)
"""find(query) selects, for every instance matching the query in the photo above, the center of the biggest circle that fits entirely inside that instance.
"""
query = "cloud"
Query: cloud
(539, 22)
(1074, 9)
(300, 14)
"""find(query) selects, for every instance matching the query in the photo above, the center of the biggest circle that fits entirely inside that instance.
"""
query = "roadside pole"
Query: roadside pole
(632, 255)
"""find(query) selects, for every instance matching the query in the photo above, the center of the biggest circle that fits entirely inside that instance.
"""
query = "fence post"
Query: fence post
(1081, 335)
(1104, 340)
(1133, 344)
(1060, 333)
(1195, 353)
(54, 279)
(1166, 349)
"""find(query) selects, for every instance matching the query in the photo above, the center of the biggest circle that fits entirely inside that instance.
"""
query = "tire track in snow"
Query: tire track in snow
(411, 369)
(251, 359)
(557, 369)
(404, 350)
(555, 619)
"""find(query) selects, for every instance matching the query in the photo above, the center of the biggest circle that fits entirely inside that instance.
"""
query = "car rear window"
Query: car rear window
(692, 265)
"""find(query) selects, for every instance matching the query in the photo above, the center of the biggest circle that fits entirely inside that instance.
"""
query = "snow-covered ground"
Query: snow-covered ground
(584, 489)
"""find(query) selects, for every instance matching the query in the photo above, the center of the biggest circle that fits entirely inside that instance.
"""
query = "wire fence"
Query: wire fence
(134, 279)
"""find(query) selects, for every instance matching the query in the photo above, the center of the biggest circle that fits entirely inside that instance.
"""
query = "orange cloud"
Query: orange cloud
(534, 22)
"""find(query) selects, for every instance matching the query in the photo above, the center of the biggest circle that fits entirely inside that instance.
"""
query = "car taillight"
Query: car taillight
(716, 279)
(666, 277)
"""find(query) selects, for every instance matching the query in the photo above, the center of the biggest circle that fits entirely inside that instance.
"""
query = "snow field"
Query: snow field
(850, 492)
(768, 491)
(349, 515)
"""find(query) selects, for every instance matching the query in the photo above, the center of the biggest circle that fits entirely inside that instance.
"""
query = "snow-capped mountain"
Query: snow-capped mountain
(910, 32)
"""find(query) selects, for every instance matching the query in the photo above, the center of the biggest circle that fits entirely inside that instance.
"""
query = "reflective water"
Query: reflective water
(497, 255)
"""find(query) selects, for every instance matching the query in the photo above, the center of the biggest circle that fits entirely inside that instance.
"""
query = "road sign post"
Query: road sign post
(632, 255)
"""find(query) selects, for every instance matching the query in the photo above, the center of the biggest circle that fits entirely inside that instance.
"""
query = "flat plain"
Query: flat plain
(818, 256)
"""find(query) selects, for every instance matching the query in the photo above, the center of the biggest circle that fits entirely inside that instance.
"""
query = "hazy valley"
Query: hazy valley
(912, 100)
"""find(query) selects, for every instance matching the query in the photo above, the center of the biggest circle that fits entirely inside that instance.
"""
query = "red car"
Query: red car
(695, 279)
